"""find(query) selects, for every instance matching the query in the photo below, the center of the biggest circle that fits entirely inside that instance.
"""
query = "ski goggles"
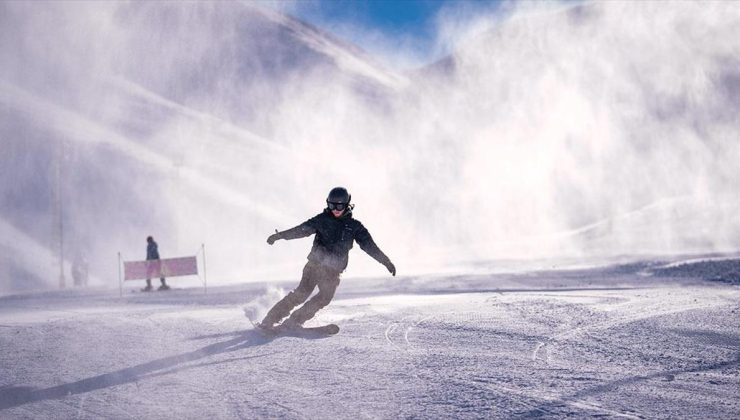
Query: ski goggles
(336, 206)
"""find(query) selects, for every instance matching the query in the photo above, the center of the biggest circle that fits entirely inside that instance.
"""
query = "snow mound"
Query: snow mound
(722, 270)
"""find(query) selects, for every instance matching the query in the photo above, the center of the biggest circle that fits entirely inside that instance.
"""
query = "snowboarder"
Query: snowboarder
(152, 254)
(335, 231)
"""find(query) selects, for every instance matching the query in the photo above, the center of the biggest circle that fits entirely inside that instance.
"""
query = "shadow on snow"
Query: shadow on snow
(14, 396)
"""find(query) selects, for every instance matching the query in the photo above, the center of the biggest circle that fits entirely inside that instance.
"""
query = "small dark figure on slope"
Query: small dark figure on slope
(152, 254)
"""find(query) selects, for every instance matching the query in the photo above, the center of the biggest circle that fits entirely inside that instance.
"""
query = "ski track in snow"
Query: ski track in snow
(627, 347)
(645, 312)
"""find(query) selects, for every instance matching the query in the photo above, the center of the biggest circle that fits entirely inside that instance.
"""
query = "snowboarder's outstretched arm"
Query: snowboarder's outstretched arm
(300, 231)
(367, 244)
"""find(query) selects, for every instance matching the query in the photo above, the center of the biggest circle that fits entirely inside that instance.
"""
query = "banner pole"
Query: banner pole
(205, 276)
(120, 282)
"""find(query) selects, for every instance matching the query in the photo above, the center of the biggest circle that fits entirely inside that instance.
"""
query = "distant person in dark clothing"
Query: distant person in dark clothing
(335, 232)
(152, 254)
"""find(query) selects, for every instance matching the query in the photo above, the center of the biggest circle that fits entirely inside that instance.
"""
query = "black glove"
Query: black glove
(274, 237)
(391, 268)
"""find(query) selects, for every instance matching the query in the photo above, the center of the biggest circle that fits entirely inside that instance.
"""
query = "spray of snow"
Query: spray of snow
(257, 308)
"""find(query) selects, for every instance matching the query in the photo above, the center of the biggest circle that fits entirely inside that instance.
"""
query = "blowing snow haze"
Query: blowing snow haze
(590, 131)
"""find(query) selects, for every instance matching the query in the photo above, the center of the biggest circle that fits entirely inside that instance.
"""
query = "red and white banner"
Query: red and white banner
(154, 269)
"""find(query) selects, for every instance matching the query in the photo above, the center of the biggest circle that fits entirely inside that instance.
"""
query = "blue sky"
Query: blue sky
(402, 33)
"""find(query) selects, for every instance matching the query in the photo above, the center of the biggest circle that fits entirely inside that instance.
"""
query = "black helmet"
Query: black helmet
(338, 195)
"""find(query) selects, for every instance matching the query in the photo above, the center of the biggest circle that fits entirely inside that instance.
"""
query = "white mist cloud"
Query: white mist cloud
(588, 113)
(594, 130)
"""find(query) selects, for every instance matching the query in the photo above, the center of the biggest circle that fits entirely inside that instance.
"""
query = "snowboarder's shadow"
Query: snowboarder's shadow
(13, 396)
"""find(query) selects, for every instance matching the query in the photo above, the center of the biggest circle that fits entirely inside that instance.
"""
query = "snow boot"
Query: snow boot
(164, 285)
(264, 326)
(291, 324)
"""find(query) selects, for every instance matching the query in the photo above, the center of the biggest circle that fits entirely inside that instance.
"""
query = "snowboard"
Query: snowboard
(323, 330)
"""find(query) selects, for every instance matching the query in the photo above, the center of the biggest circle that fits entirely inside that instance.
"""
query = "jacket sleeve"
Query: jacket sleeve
(367, 244)
(306, 228)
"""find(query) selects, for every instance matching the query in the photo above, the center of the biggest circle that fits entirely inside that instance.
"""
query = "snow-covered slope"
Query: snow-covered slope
(597, 342)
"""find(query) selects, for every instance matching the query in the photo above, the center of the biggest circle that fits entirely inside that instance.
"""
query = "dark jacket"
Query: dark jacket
(151, 251)
(334, 238)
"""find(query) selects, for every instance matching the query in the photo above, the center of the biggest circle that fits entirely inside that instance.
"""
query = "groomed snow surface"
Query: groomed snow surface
(615, 342)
